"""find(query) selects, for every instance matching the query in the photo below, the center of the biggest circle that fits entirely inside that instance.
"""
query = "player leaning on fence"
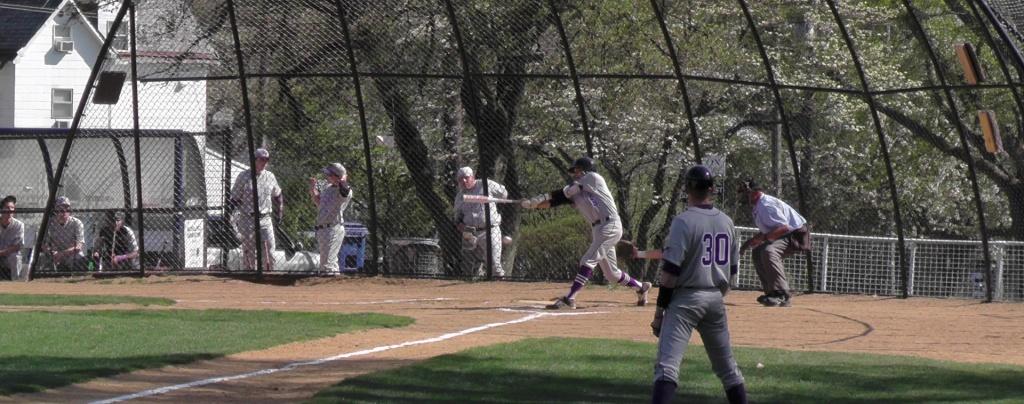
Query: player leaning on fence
(12, 239)
(471, 222)
(590, 195)
(330, 203)
(268, 191)
(699, 254)
(782, 232)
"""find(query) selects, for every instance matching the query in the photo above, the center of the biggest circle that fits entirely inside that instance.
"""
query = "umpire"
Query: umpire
(782, 232)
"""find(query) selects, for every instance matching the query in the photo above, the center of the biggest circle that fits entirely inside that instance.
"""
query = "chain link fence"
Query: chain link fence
(856, 113)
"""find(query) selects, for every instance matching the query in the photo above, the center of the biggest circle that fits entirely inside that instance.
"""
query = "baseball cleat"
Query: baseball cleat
(641, 294)
(562, 303)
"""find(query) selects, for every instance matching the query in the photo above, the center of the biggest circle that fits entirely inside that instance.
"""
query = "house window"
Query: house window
(61, 104)
(62, 38)
(120, 41)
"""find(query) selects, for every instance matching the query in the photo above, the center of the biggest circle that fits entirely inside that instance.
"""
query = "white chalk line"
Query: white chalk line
(390, 301)
(293, 365)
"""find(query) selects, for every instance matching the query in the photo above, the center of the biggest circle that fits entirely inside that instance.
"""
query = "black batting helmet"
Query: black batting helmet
(699, 178)
(583, 164)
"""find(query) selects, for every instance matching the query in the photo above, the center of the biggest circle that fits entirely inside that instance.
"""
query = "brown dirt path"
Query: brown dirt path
(946, 329)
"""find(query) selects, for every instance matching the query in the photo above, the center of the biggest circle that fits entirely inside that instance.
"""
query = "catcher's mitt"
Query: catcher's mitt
(625, 249)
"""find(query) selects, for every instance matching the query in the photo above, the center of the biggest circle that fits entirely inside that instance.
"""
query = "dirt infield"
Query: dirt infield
(447, 313)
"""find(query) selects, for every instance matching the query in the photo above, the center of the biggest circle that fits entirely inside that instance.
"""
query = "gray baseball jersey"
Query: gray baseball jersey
(592, 198)
(332, 205)
(472, 214)
(266, 186)
(702, 241)
(62, 237)
(124, 241)
(12, 235)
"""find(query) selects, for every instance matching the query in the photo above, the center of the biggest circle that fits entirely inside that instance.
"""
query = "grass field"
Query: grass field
(616, 371)
(41, 349)
(7, 299)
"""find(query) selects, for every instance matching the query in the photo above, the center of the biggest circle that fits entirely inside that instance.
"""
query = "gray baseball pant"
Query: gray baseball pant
(266, 229)
(12, 264)
(767, 259)
(602, 250)
(328, 242)
(703, 309)
(476, 259)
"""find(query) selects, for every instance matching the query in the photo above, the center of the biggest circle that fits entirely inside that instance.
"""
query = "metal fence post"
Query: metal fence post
(1000, 256)
(824, 264)
(910, 268)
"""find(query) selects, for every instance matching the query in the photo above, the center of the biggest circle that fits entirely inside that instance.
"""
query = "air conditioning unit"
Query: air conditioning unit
(65, 46)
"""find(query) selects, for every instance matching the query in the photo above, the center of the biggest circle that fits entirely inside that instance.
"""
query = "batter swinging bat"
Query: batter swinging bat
(486, 199)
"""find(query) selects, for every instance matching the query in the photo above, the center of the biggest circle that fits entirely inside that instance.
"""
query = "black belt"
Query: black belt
(260, 215)
(605, 219)
(324, 226)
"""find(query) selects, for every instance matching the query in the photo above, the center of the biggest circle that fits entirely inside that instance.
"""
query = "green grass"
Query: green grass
(613, 371)
(41, 350)
(7, 299)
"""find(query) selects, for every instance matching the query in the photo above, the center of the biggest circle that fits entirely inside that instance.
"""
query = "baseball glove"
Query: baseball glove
(625, 249)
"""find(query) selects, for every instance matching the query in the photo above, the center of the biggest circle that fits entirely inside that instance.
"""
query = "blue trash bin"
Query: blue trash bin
(353, 249)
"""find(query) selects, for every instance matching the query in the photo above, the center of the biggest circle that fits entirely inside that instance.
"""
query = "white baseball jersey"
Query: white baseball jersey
(332, 205)
(472, 214)
(266, 186)
(592, 198)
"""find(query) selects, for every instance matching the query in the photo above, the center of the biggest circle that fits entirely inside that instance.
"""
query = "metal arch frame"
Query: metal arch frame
(45, 151)
(580, 101)
(468, 80)
(1017, 57)
(785, 124)
(137, 135)
(961, 130)
(999, 58)
(353, 67)
(247, 111)
(73, 132)
(678, 71)
(882, 142)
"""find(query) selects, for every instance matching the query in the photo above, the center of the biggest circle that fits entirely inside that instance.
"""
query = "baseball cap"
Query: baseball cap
(464, 172)
(261, 153)
(335, 169)
(62, 201)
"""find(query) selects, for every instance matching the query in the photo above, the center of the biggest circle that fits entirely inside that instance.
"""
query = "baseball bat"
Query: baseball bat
(486, 199)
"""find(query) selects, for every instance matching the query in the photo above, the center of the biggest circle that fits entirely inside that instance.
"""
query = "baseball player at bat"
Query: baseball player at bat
(471, 222)
(590, 196)
(700, 250)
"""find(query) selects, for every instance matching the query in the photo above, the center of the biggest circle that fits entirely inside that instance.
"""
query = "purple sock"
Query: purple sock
(626, 280)
(582, 277)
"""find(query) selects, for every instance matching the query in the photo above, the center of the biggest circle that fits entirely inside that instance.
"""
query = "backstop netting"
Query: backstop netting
(858, 114)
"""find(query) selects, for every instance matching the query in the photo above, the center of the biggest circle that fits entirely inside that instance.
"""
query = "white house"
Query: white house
(48, 49)
(47, 52)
